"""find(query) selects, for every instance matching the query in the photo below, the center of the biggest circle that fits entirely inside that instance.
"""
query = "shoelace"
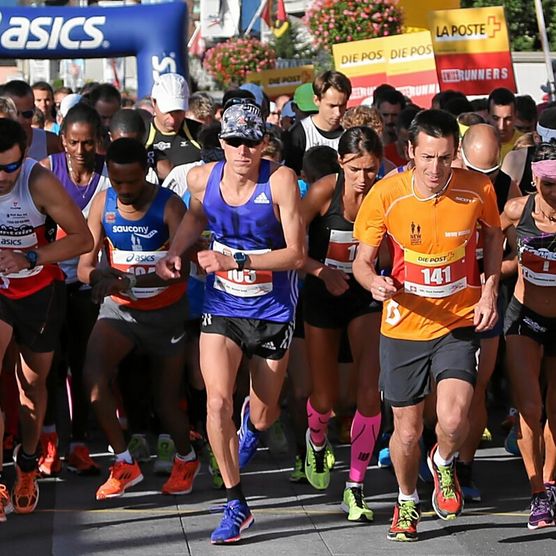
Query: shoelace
(319, 456)
(27, 483)
(447, 481)
(358, 495)
(407, 514)
(232, 516)
(540, 504)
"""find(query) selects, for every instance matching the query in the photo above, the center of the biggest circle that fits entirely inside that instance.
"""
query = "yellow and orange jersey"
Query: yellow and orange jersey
(433, 243)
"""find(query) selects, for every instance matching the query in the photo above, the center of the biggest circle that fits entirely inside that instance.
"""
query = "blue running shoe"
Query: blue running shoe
(248, 440)
(237, 517)
(510, 444)
(384, 458)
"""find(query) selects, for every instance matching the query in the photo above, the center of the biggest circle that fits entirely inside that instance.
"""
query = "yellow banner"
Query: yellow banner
(395, 55)
(471, 30)
(416, 13)
(281, 81)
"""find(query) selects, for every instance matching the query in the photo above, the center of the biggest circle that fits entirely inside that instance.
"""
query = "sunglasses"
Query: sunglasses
(485, 171)
(27, 114)
(237, 142)
(11, 167)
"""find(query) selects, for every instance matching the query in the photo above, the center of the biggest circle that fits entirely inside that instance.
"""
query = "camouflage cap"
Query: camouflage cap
(243, 120)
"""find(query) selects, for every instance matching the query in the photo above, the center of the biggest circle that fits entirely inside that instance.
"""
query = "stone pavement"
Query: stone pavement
(290, 519)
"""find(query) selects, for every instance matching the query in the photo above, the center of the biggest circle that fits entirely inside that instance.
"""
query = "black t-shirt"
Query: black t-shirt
(178, 148)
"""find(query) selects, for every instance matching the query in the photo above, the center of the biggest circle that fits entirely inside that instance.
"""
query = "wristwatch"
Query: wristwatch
(32, 257)
(240, 258)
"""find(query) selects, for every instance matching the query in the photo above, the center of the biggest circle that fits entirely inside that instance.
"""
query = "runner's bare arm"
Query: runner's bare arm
(45, 162)
(191, 226)
(52, 199)
(514, 164)
(364, 270)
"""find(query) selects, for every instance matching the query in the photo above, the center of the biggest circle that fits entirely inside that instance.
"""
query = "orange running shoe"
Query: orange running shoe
(122, 475)
(79, 461)
(25, 492)
(49, 460)
(6, 506)
(182, 477)
(447, 498)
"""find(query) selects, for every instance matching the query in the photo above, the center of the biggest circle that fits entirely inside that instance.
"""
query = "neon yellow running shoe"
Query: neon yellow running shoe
(316, 467)
(355, 506)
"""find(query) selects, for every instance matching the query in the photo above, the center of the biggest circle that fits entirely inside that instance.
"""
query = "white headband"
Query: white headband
(546, 133)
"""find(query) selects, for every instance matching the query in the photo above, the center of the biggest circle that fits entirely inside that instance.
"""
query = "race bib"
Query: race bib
(342, 248)
(139, 263)
(435, 275)
(538, 262)
(242, 283)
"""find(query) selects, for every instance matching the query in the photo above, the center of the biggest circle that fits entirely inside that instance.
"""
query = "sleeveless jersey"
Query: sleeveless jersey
(38, 149)
(253, 229)
(82, 196)
(135, 246)
(23, 227)
(536, 250)
(433, 243)
(314, 138)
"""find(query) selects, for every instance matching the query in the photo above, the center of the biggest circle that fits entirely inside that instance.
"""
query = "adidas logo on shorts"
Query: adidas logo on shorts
(269, 345)
(261, 199)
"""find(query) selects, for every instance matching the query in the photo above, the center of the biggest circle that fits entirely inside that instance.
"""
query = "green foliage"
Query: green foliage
(522, 21)
(293, 44)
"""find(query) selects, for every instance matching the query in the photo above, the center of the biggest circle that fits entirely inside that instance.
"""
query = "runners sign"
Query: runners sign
(404, 61)
(472, 50)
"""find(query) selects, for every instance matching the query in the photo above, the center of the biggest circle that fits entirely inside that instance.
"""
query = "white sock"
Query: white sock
(440, 461)
(414, 497)
(48, 429)
(191, 456)
(124, 456)
(350, 484)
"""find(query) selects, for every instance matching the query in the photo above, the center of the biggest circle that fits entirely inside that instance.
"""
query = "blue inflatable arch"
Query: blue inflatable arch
(155, 34)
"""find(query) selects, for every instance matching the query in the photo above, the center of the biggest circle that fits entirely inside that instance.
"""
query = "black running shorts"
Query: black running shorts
(408, 367)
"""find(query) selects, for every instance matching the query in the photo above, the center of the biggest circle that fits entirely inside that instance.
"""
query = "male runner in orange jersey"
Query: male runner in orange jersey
(432, 301)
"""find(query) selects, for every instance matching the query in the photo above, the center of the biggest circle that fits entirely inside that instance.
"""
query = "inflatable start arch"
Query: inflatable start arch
(155, 34)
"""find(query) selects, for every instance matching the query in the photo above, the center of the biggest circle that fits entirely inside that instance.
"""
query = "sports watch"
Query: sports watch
(240, 258)
(32, 257)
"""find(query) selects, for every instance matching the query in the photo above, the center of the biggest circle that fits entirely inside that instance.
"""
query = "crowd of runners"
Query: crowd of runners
(173, 260)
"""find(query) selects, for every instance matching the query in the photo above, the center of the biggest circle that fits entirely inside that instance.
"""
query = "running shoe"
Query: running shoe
(551, 493)
(165, 453)
(510, 444)
(541, 513)
(298, 473)
(316, 466)
(329, 456)
(50, 464)
(355, 506)
(214, 471)
(510, 419)
(25, 492)
(248, 440)
(182, 477)
(6, 506)
(122, 476)
(276, 439)
(79, 461)
(404, 523)
(447, 499)
(237, 517)
(139, 448)
(471, 493)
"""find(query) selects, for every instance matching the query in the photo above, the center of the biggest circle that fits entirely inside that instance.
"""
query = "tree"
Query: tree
(522, 21)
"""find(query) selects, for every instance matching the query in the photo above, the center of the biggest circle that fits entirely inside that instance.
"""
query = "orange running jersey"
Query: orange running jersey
(433, 244)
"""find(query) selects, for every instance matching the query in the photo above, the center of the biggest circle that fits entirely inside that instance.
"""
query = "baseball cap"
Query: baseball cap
(171, 92)
(304, 98)
(68, 102)
(255, 90)
(287, 110)
(243, 120)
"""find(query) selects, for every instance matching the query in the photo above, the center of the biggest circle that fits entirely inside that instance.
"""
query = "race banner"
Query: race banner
(404, 61)
(472, 50)
(283, 81)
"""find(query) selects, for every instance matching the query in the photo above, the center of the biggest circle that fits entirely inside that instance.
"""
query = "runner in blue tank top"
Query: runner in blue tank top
(251, 207)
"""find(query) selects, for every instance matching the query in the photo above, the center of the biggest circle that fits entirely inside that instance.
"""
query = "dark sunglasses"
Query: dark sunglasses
(236, 142)
(27, 114)
(11, 167)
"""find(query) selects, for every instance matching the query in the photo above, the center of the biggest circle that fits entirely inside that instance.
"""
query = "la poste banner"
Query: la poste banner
(472, 50)
(404, 61)
(282, 81)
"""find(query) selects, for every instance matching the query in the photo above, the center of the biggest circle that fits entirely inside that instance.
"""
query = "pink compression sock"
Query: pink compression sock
(364, 431)
(318, 424)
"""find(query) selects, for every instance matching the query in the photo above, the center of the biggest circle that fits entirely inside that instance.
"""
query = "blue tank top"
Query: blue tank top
(254, 229)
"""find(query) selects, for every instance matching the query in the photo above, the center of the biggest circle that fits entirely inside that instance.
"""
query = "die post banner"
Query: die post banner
(472, 50)
(404, 61)
(283, 81)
